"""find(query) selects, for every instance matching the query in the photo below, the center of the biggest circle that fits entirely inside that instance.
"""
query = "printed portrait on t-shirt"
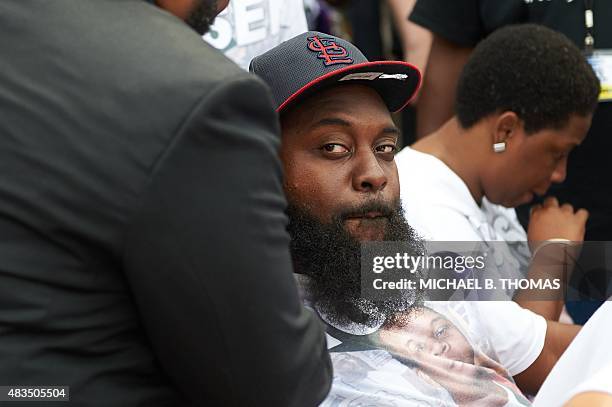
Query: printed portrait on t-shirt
(433, 346)
(421, 358)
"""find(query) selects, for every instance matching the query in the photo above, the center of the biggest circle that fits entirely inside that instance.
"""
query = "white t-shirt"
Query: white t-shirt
(438, 204)
(585, 366)
(398, 368)
(248, 28)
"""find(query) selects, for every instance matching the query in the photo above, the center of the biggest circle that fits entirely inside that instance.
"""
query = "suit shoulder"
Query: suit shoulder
(145, 43)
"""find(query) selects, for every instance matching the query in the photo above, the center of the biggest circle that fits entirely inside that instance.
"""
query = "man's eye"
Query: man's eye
(441, 331)
(387, 148)
(335, 148)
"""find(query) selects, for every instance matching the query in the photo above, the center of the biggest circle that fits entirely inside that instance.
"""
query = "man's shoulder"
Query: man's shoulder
(132, 53)
(156, 37)
(130, 41)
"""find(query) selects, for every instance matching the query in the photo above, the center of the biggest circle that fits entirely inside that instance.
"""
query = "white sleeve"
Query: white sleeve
(586, 365)
(439, 223)
(600, 382)
(517, 334)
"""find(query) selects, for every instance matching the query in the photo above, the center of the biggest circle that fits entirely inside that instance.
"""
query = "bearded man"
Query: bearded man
(144, 259)
(341, 182)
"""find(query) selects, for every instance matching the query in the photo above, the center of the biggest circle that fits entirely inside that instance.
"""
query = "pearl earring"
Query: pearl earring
(499, 147)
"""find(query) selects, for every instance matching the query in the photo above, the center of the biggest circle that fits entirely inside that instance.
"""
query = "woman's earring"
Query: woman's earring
(499, 147)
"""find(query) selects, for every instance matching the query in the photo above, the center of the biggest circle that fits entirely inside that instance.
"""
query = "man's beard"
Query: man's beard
(203, 16)
(331, 257)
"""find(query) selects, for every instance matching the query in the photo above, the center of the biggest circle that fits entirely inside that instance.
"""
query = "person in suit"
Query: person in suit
(144, 255)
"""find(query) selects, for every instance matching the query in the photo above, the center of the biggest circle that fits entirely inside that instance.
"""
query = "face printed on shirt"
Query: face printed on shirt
(428, 332)
(430, 344)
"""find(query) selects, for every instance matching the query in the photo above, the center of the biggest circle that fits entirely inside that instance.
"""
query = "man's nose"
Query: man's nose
(438, 348)
(433, 347)
(368, 175)
(560, 171)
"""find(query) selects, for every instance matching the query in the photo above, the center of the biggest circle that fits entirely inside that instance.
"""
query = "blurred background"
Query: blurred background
(380, 28)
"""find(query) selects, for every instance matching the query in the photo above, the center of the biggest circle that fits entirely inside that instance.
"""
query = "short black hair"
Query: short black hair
(531, 70)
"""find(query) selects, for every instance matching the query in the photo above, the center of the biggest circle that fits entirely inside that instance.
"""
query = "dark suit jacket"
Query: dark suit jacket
(143, 252)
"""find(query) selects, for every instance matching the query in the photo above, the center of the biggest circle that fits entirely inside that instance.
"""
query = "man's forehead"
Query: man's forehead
(345, 96)
(346, 103)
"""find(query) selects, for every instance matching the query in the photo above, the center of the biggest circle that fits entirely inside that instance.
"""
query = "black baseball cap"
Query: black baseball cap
(313, 61)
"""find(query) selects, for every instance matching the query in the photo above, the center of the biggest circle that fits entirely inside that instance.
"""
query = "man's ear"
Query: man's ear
(506, 125)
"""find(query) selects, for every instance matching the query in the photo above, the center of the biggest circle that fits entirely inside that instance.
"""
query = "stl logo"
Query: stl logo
(330, 52)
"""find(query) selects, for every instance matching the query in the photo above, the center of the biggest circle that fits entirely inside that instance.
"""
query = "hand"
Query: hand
(551, 221)
(468, 385)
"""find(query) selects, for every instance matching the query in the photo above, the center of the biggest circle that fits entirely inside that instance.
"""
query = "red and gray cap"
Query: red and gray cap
(313, 61)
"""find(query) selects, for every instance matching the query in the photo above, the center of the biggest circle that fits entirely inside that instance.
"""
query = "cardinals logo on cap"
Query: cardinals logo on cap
(329, 51)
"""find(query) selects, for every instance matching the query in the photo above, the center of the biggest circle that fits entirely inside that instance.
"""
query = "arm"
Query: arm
(437, 96)
(457, 27)
(590, 399)
(552, 221)
(416, 40)
(558, 338)
(554, 263)
(207, 260)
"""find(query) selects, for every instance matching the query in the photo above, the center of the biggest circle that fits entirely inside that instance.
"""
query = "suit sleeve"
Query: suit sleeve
(208, 262)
